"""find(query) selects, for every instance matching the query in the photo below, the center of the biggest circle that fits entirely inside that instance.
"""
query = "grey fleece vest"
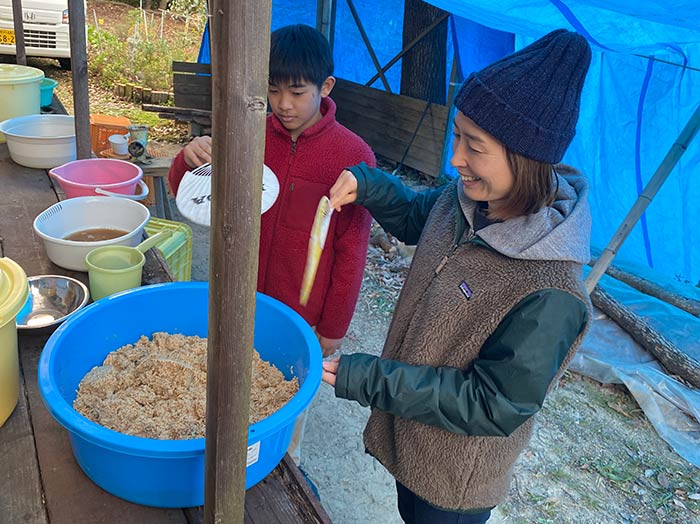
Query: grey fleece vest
(435, 324)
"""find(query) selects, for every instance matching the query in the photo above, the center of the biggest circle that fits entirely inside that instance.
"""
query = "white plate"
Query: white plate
(270, 189)
(194, 194)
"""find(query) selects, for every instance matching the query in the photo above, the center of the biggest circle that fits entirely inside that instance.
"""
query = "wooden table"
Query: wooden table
(40, 482)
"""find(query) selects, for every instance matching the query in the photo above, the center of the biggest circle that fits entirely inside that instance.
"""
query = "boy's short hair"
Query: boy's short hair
(299, 53)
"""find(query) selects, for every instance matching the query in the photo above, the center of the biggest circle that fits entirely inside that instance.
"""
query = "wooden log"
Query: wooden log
(655, 290)
(146, 94)
(159, 97)
(137, 94)
(128, 89)
(672, 358)
(177, 110)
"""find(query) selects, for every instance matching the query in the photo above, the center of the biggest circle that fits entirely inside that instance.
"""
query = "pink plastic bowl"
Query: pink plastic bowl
(100, 176)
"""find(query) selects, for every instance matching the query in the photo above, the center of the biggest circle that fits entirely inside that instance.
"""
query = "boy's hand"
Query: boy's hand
(329, 345)
(344, 191)
(198, 151)
(330, 370)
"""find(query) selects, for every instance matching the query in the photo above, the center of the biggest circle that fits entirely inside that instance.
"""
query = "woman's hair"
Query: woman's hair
(299, 53)
(534, 187)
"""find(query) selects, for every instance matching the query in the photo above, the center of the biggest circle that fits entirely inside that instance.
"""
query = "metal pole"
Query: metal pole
(644, 199)
(240, 36)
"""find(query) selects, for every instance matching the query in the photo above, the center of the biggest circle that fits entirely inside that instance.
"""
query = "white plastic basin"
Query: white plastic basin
(40, 141)
(82, 213)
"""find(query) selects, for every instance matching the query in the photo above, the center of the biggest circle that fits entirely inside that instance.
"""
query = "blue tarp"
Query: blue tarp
(633, 107)
(642, 87)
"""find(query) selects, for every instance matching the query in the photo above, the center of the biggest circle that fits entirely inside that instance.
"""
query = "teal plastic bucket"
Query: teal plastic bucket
(169, 473)
(46, 89)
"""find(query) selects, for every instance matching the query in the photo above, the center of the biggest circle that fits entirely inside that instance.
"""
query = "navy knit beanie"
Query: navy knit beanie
(530, 99)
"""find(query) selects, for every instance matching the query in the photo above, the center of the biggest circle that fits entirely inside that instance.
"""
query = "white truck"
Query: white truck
(45, 29)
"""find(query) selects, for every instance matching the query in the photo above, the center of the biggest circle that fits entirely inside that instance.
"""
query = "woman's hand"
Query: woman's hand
(344, 191)
(330, 369)
(198, 151)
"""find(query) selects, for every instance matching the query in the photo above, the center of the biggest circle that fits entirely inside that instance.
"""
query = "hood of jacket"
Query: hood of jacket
(560, 231)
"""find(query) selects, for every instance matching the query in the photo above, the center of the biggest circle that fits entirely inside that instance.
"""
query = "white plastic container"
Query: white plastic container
(20, 91)
(82, 213)
(40, 141)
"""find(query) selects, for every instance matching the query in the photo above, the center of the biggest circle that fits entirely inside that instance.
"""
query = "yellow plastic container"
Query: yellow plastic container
(20, 91)
(13, 294)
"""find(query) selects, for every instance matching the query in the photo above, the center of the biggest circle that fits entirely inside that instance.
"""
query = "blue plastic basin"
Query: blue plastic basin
(168, 473)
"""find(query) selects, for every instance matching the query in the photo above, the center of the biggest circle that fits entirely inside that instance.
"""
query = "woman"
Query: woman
(493, 307)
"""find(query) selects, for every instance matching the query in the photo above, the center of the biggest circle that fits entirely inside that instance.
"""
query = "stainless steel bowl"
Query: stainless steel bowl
(52, 298)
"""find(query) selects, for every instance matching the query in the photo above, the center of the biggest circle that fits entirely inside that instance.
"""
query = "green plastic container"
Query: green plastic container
(20, 91)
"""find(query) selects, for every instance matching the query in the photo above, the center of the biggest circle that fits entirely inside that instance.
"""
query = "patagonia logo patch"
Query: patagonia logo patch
(465, 289)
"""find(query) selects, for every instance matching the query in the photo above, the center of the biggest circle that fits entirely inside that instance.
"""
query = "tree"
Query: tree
(424, 68)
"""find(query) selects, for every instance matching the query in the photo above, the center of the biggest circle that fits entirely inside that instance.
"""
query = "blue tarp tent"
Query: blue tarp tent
(642, 87)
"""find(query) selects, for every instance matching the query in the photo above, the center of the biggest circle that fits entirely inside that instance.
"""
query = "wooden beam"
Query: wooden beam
(240, 35)
(18, 19)
(79, 74)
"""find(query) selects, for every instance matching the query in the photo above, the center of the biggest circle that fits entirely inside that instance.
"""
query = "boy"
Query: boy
(306, 148)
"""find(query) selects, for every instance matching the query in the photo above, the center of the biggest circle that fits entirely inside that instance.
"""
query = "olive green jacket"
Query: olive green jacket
(476, 341)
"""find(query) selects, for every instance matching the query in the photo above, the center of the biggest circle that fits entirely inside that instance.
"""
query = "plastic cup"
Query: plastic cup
(112, 269)
(119, 144)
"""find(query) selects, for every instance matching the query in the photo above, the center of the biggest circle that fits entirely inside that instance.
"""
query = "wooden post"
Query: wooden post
(18, 19)
(240, 35)
(79, 74)
(662, 172)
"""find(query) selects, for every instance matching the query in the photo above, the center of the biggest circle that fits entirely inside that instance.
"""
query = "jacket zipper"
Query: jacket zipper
(470, 235)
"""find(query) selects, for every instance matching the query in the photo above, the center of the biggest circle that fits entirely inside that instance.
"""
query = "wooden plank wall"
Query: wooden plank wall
(387, 121)
(384, 120)
(192, 85)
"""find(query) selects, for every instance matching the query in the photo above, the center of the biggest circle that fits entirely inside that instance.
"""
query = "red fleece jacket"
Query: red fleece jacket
(306, 171)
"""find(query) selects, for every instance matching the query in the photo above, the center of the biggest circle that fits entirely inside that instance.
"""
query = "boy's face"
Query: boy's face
(298, 105)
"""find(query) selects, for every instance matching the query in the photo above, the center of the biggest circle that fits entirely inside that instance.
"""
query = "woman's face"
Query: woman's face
(481, 162)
